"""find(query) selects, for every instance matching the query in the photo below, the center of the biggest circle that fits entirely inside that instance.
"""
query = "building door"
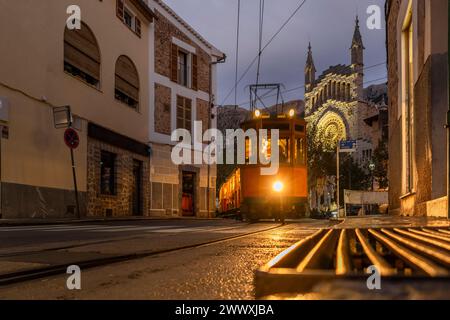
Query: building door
(137, 188)
(188, 194)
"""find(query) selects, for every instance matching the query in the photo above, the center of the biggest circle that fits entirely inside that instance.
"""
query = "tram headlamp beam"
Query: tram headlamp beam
(277, 186)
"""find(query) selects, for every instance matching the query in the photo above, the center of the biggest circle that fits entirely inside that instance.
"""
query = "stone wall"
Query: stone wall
(164, 31)
(202, 113)
(162, 109)
(119, 204)
(395, 137)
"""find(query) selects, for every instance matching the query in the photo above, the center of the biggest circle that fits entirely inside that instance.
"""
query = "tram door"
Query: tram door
(187, 199)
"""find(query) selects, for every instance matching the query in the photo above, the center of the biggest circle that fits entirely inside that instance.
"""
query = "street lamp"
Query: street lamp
(372, 169)
(62, 117)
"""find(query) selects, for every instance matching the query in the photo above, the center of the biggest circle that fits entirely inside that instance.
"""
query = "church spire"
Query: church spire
(357, 54)
(310, 71)
(357, 49)
(357, 38)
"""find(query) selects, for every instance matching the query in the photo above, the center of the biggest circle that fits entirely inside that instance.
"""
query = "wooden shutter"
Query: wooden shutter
(81, 51)
(138, 26)
(194, 72)
(188, 114)
(120, 9)
(127, 79)
(174, 63)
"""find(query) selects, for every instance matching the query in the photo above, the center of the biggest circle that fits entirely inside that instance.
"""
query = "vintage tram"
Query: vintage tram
(284, 195)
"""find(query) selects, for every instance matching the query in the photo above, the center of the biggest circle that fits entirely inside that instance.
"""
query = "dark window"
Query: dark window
(182, 68)
(128, 18)
(285, 156)
(107, 173)
(299, 128)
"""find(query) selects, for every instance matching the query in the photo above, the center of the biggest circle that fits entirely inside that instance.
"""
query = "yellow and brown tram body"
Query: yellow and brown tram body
(278, 196)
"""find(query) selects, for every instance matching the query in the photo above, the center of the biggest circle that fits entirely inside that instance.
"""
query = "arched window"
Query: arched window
(82, 55)
(127, 82)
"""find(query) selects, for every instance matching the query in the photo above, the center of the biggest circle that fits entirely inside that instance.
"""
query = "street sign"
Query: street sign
(347, 146)
(71, 138)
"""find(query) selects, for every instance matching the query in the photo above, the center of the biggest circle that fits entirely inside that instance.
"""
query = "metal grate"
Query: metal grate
(333, 254)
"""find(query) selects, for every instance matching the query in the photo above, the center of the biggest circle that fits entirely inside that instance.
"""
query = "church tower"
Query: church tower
(357, 53)
(310, 71)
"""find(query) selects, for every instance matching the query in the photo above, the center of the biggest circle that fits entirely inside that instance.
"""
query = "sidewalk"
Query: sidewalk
(51, 221)
(392, 222)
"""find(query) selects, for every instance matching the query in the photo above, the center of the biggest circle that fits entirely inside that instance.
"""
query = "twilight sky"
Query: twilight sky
(328, 24)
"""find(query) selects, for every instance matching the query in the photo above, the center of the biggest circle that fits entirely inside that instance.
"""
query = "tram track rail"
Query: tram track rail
(57, 269)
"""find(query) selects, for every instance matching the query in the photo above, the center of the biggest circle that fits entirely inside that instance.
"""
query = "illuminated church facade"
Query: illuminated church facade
(336, 109)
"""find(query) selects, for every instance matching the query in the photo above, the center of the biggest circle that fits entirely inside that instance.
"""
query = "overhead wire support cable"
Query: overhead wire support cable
(237, 52)
(267, 44)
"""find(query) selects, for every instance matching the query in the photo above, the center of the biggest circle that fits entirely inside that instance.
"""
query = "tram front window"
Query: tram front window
(284, 150)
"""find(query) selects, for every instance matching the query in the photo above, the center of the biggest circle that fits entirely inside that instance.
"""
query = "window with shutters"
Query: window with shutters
(127, 82)
(184, 113)
(82, 55)
(184, 69)
(128, 17)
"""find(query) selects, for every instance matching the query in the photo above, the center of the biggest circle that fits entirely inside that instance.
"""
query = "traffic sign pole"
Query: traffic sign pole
(72, 140)
(75, 184)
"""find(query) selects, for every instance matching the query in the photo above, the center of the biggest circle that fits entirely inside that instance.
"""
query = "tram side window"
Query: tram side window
(248, 149)
(285, 156)
(266, 148)
(300, 151)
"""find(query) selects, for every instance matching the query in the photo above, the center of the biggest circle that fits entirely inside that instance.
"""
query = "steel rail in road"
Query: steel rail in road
(44, 272)
(399, 254)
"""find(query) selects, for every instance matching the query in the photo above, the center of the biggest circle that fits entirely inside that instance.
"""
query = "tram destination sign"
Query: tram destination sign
(347, 146)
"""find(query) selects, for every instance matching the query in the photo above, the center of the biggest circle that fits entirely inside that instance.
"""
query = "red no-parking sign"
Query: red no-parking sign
(71, 138)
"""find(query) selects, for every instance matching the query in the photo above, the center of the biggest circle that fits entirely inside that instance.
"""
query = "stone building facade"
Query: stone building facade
(130, 79)
(418, 103)
(98, 71)
(183, 80)
(335, 106)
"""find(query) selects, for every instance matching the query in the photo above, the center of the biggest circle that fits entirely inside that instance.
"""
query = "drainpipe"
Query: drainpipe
(210, 107)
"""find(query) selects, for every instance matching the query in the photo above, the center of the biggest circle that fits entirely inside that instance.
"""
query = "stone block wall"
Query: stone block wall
(395, 137)
(162, 109)
(202, 113)
(164, 31)
(119, 204)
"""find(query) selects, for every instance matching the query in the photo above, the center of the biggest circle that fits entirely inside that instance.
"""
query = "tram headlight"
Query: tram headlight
(278, 186)
(257, 113)
(291, 113)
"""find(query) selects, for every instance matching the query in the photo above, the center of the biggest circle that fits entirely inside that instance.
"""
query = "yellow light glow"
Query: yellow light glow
(277, 186)
(257, 113)
(291, 113)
